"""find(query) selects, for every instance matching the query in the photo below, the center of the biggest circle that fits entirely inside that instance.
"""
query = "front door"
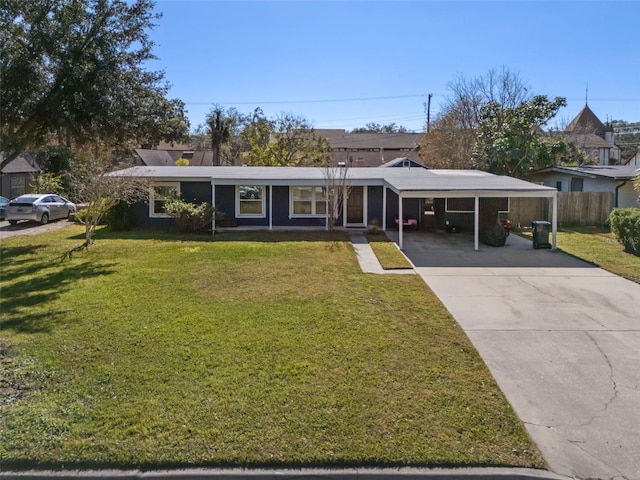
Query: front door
(355, 206)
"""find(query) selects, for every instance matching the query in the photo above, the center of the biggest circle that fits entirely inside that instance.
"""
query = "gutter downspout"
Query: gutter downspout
(617, 194)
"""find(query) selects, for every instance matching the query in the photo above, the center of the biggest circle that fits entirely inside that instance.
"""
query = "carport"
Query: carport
(467, 184)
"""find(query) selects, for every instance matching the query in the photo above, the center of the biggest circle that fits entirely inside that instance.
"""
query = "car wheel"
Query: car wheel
(45, 218)
(13, 222)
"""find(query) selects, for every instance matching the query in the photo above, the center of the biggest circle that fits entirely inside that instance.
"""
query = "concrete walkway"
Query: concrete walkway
(561, 337)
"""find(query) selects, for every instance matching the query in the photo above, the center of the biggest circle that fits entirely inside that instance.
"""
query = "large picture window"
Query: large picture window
(308, 201)
(250, 200)
(160, 193)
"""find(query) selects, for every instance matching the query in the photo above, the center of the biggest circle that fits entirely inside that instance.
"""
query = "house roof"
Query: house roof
(155, 158)
(21, 164)
(166, 158)
(614, 172)
(410, 182)
(387, 141)
(586, 122)
(588, 140)
(399, 162)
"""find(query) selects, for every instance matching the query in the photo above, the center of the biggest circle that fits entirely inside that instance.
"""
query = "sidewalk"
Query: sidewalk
(404, 473)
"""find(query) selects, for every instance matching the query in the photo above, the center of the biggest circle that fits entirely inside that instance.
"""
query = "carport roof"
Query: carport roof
(402, 180)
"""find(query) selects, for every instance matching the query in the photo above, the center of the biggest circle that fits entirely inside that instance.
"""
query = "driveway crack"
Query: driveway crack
(615, 391)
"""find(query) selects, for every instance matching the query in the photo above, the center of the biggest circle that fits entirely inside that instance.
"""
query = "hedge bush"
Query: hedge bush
(189, 216)
(625, 225)
(119, 217)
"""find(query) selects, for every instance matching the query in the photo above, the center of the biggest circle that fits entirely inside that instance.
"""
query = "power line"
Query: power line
(333, 100)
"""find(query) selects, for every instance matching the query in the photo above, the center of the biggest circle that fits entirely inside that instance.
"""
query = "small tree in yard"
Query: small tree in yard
(92, 186)
(337, 191)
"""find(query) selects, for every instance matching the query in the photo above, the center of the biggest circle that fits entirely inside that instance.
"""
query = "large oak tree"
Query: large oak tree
(452, 135)
(76, 70)
(286, 140)
(510, 141)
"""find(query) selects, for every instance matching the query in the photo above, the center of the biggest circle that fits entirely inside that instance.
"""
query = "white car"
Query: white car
(39, 208)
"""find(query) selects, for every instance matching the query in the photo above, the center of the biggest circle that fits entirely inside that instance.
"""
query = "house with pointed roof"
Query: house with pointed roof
(16, 176)
(587, 132)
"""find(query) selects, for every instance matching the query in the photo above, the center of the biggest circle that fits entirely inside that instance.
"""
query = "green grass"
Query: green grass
(600, 247)
(253, 349)
(387, 252)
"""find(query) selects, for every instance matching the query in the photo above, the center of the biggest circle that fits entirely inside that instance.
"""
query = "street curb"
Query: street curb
(286, 474)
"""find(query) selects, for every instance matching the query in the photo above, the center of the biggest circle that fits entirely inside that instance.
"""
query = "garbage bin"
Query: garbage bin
(540, 230)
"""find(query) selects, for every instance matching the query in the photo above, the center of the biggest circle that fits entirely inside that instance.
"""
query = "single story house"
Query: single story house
(289, 197)
(17, 175)
(617, 179)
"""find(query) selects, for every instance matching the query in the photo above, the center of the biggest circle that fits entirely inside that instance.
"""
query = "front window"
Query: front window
(577, 184)
(308, 201)
(250, 200)
(18, 186)
(160, 194)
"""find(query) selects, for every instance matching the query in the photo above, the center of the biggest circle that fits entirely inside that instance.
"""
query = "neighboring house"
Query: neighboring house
(635, 160)
(350, 149)
(403, 162)
(593, 178)
(370, 149)
(588, 133)
(167, 157)
(293, 197)
(17, 175)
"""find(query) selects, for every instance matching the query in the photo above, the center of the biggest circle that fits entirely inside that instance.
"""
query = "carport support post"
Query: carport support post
(400, 217)
(476, 222)
(270, 207)
(384, 209)
(213, 210)
(554, 219)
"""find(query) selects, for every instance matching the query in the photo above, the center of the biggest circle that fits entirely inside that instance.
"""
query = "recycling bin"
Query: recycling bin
(540, 230)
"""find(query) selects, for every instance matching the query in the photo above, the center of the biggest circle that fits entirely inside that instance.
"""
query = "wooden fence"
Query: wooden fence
(574, 208)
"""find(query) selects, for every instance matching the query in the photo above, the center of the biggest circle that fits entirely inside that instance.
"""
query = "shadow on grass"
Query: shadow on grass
(226, 236)
(39, 290)
(17, 256)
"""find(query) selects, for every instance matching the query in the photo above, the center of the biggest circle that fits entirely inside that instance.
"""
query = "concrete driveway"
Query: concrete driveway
(30, 228)
(561, 337)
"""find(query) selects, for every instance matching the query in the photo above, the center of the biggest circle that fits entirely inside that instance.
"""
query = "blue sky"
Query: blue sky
(343, 64)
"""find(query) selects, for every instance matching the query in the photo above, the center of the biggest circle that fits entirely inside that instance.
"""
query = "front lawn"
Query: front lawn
(256, 349)
(600, 247)
(387, 252)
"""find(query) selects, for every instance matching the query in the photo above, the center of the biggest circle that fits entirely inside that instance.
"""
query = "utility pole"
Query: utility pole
(429, 111)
